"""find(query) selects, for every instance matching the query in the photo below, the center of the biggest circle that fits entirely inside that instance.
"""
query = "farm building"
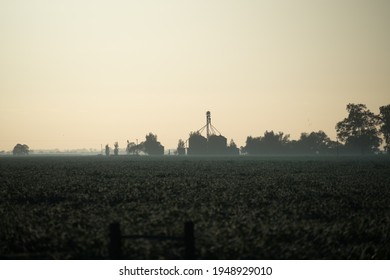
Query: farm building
(213, 144)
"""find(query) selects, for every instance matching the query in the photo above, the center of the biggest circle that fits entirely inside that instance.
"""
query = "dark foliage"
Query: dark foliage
(181, 148)
(131, 148)
(385, 125)
(151, 146)
(359, 130)
(21, 150)
(116, 148)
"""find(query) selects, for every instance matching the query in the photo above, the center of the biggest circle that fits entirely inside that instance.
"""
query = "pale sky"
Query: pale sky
(78, 73)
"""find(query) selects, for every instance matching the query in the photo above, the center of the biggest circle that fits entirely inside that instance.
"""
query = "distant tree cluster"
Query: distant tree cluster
(270, 143)
(279, 143)
(131, 148)
(358, 133)
(21, 150)
(151, 146)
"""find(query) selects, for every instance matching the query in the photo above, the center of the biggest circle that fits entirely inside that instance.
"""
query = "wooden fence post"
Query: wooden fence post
(189, 240)
(115, 250)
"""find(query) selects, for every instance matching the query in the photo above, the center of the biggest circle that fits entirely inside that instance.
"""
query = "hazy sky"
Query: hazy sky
(80, 73)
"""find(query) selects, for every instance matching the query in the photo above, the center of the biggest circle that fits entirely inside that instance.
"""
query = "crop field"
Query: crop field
(242, 208)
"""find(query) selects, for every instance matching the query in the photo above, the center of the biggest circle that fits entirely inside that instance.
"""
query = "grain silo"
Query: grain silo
(197, 144)
(217, 145)
(213, 144)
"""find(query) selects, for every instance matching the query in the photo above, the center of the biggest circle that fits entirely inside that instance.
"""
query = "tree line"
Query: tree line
(361, 132)
(150, 146)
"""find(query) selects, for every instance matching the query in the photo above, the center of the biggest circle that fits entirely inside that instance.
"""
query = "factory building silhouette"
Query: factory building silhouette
(213, 144)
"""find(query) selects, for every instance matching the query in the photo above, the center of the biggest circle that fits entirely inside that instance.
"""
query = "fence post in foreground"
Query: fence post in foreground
(115, 249)
(189, 240)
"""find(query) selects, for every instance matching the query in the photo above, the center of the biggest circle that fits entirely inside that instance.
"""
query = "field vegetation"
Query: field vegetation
(242, 207)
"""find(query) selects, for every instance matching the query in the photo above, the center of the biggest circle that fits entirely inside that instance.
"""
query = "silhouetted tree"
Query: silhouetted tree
(21, 149)
(107, 150)
(151, 146)
(131, 147)
(359, 130)
(232, 144)
(384, 116)
(334, 147)
(181, 150)
(232, 148)
(275, 143)
(315, 142)
(116, 148)
(253, 145)
(270, 143)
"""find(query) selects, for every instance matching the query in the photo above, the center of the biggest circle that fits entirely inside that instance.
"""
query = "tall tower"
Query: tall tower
(208, 123)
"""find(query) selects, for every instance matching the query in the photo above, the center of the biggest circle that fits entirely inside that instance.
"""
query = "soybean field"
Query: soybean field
(242, 207)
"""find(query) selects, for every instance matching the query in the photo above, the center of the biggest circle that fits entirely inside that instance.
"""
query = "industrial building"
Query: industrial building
(213, 144)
